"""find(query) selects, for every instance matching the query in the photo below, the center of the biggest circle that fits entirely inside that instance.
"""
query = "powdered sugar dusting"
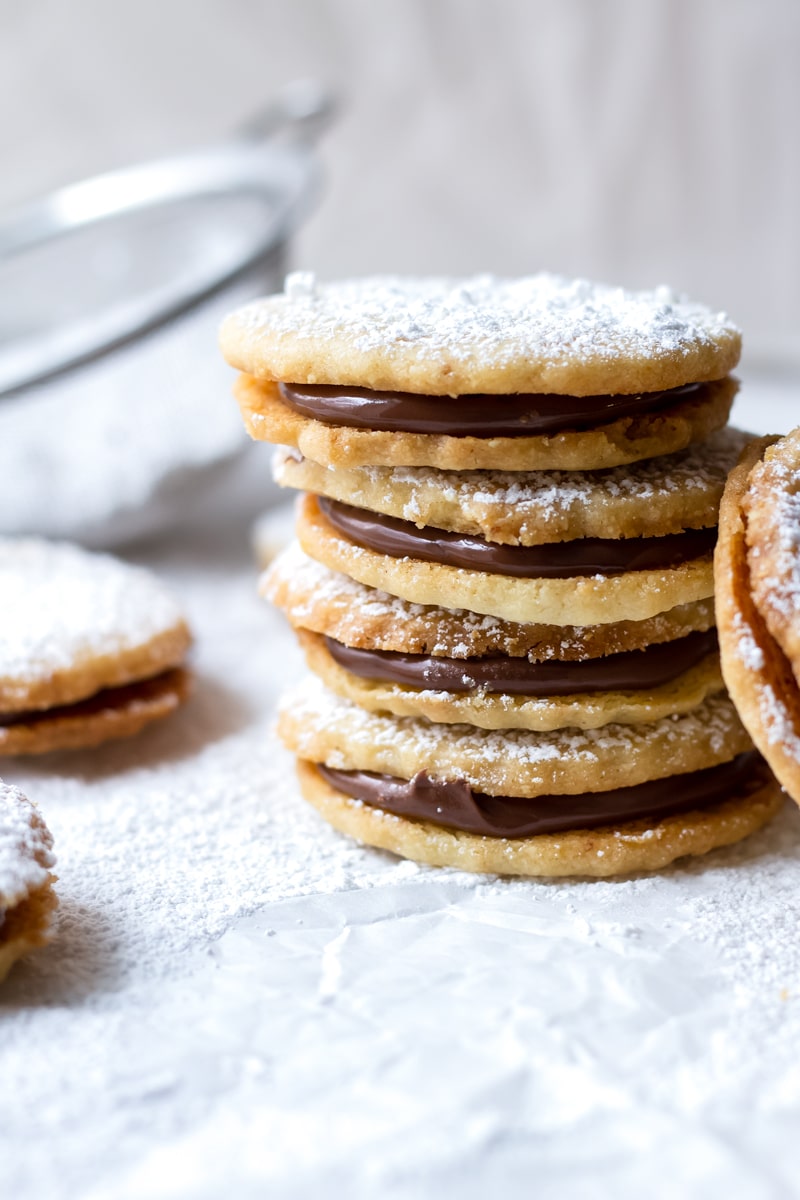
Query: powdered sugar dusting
(25, 848)
(546, 315)
(61, 604)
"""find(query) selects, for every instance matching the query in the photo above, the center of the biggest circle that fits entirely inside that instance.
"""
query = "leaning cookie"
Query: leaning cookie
(758, 592)
(598, 803)
(539, 373)
(90, 648)
(27, 899)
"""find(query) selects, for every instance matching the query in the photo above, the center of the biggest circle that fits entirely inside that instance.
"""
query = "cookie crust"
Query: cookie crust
(587, 600)
(439, 336)
(652, 498)
(757, 673)
(771, 507)
(328, 602)
(75, 623)
(497, 711)
(317, 725)
(632, 847)
(113, 714)
(27, 899)
(626, 440)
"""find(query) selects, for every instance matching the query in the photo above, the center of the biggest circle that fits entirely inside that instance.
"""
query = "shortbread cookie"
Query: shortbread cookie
(771, 505)
(478, 691)
(331, 603)
(757, 672)
(574, 599)
(631, 845)
(653, 498)
(450, 337)
(81, 629)
(321, 727)
(690, 417)
(27, 898)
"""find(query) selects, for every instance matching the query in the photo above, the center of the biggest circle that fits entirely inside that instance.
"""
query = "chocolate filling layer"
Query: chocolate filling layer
(117, 697)
(454, 804)
(555, 560)
(631, 671)
(523, 415)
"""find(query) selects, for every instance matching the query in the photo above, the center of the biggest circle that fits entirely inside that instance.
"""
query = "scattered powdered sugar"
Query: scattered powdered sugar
(62, 604)
(544, 315)
(25, 848)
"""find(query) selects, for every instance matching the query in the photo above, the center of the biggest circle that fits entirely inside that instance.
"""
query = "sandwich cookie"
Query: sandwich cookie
(570, 802)
(757, 572)
(90, 648)
(566, 548)
(537, 373)
(27, 899)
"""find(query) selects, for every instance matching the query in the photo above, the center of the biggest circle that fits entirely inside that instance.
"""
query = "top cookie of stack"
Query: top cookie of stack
(506, 567)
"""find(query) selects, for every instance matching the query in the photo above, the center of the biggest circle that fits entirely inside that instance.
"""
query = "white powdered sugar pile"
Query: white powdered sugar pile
(62, 605)
(545, 315)
(25, 848)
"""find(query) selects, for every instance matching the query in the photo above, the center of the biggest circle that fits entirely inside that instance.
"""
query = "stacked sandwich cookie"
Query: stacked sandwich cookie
(503, 578)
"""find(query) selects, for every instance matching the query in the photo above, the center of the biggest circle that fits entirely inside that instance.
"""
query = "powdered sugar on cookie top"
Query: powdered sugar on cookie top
(62, 605)
(530, 313)
(481, 333)
(25, 848)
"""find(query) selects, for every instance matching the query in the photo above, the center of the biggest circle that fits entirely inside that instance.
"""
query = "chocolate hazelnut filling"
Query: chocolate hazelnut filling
(523, 415)
(554, 560)
(116, 697)
(633, 670)
(453, 803)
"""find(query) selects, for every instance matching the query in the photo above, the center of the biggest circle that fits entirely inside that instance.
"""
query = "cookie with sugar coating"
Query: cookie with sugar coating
(652, 498)
(324, 601)
(319, 726)
(624, 440)
(757, 580)
(90, 647)
(498, 709)
(449, 337)
(574, 600)
(27, 899)
(633, 846)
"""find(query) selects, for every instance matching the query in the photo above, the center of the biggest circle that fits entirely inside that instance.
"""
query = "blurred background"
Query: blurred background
(638, 143)
(626, 141)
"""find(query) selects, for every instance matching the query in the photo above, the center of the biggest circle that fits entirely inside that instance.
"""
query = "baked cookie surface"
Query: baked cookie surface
(27, 898)
(77, 625)
(617, 441)
(600, 852)
(448, 337)
(594, 599)
(756, 576)
(321, 727)
(328, 602)
(652, 498)
(498, 709)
